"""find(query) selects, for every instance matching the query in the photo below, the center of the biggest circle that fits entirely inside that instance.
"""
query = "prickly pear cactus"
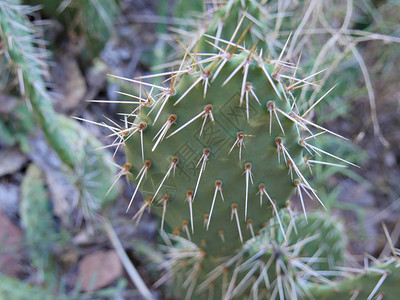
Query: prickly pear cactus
(325, 235)
(26, 64)
(40, 228)
(250, 15)
(16, 125)
(262, 19)
(93, 168)
(215, 154)
(287, 253)
(378, 281)
(219, 151)
(304, 263)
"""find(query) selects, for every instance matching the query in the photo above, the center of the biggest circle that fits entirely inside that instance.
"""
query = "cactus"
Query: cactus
(16, 125)
(308, 264)
(91, 174)
(187, 144)
(72, 143)
(379, 281)
(254, 268)
(28, 63)
(198, 129)
(264, 20)
(40, 228)
(190, 143)
(220, 150)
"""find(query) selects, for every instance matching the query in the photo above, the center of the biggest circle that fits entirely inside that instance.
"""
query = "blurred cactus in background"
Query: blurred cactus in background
(26, 63)
(37, 219)
(24, 71)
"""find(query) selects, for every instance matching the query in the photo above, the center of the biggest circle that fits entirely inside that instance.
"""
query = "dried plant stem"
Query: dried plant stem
(129, 267)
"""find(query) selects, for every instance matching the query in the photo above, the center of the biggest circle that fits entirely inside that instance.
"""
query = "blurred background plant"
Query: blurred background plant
(54, 55)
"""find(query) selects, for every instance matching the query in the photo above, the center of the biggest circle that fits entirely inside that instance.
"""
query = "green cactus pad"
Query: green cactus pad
(40, 228)
(379, 281)
(93, 171)
(303, 256)
(205, 145)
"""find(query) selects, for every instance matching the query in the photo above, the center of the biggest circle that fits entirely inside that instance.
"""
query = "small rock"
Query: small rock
(11, 160)
(99, 269)
(83, 238)
(390, 159)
